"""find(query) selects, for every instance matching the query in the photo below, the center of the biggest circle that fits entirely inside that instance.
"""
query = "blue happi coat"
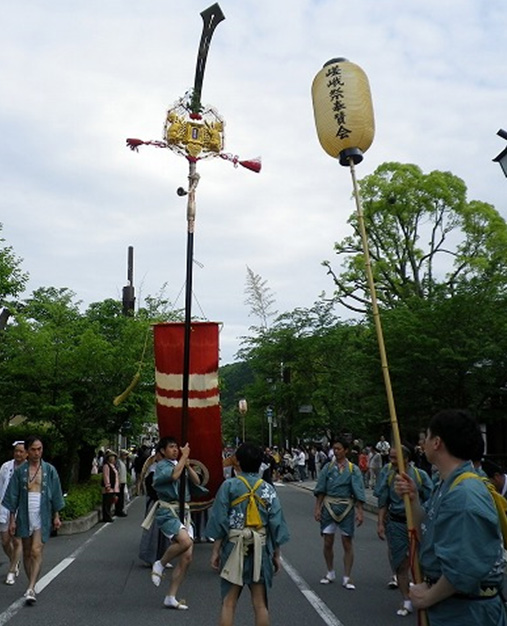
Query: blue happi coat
(16, 499)
(224, 517)
(461, 540)
(168, 489)
(396, 525)
(345, 483)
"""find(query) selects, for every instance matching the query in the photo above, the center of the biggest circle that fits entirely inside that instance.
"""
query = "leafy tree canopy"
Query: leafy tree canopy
(425, 238)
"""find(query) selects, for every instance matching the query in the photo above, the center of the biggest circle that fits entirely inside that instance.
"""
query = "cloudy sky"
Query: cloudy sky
(79, 77)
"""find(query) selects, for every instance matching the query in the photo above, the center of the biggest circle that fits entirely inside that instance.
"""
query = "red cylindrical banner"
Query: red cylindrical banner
(204, 427)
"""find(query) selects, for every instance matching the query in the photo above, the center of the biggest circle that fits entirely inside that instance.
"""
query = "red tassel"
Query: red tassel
(254, 165)
(134, 144)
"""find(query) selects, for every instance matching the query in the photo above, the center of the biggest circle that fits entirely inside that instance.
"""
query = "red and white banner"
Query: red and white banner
(204, 426)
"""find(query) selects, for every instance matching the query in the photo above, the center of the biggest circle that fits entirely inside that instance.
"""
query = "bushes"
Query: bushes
(82, 498)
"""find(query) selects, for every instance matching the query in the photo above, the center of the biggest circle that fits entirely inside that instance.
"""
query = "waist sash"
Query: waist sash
(232, 571)
(172, 506)
(329, 500)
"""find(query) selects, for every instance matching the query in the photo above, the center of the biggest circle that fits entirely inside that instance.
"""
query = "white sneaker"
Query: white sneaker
(11, 578)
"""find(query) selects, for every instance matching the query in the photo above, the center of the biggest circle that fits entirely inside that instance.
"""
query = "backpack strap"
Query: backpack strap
(498, 500)
(253, 517)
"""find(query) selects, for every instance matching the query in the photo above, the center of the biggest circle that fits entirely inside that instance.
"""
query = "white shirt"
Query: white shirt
(6, 472)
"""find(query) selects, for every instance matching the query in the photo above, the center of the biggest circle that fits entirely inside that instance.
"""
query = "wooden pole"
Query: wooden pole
(387, 378)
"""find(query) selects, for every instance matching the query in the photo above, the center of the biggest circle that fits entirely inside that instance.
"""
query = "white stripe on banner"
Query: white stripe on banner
(193, 403)
(196, 382)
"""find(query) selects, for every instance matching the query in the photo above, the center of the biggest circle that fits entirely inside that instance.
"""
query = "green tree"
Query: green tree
(12, 280)
(62, 368)
(424, 238)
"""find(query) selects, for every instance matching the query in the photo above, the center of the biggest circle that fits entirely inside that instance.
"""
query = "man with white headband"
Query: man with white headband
(11, 545)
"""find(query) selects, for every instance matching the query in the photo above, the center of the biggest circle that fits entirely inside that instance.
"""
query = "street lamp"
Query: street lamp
(243, 408)
(502, 157)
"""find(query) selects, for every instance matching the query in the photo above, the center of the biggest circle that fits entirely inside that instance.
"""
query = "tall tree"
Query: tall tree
(425, 238)
(12, 279)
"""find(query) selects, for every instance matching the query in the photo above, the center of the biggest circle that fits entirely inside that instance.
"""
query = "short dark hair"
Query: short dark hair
(30, 440)
(458, 430)
(164, 442)
(249, 457)
(342, 441)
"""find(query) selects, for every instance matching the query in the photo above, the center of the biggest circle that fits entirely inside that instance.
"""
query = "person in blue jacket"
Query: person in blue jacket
(34, 498)
(339, 502)
(248, 526)
(461, 550)
(165, 511)
(392, 519)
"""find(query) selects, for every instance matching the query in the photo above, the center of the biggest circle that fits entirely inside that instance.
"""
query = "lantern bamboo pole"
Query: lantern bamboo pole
(387, 378)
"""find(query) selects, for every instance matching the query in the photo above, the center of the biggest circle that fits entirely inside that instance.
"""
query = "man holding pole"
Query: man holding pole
(461, 551)
(392, 520)
(166, 482)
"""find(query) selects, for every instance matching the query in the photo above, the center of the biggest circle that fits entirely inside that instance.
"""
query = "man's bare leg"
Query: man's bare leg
(229, 606)
(32, 557)
(179, 572)
(259, 603)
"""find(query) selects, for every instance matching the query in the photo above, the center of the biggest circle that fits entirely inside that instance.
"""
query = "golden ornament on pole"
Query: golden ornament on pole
(345, 124)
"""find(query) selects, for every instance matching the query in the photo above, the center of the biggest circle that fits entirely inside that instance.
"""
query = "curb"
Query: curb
(79, 525)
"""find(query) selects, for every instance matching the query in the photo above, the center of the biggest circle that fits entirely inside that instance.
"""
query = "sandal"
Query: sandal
(326, 580)
(157, 573)
(181, 605)
(404, 611)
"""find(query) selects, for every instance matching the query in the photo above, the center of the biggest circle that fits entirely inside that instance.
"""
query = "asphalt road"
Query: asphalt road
(96, 579)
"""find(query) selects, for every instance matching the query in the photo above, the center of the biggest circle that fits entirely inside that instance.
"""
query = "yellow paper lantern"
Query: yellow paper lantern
(343, 110)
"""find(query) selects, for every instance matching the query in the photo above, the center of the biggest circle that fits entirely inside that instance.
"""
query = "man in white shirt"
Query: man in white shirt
(383, 447)
(10, 544)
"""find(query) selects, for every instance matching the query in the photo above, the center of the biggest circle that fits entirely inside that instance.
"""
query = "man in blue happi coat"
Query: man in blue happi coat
(339, 502)
(34, 498)
(392, 519)
(165, 511)
(248, 526)
(461, 551)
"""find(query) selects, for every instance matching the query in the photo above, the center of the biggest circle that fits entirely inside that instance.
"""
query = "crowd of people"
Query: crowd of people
(454, 521)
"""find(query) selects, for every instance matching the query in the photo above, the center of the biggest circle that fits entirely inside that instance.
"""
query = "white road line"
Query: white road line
(11, 611)
(320, 607)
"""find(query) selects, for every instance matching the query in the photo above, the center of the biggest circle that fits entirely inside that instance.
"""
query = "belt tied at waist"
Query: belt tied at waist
(397, 517)
(232, 571)
(172, 506)
(329, 500)
(486, 591)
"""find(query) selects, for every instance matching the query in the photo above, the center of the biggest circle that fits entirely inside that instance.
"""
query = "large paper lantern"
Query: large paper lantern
(343, 110)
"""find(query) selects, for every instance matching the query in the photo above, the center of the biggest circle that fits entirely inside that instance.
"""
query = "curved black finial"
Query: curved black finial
(212, 16)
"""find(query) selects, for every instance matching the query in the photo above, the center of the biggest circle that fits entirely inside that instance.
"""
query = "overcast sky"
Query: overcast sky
(78, 78)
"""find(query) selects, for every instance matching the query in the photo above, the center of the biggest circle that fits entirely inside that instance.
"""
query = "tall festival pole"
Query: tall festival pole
(195, 132)
(211, 18)
(345, 126)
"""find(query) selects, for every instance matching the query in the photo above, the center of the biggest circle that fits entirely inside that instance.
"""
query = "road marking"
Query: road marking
(11, 611)
(320, 607)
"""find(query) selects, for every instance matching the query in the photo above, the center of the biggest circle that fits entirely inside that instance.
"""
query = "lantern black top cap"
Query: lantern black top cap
(336, 60)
